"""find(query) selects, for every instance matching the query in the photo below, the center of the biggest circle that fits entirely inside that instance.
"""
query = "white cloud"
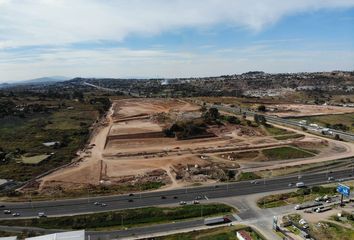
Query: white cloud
(122, 62)
(55, 22)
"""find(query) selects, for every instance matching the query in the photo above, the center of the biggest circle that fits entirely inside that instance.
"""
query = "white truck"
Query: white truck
(216, 220)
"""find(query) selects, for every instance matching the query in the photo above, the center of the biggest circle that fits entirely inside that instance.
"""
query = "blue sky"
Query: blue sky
(177, 38)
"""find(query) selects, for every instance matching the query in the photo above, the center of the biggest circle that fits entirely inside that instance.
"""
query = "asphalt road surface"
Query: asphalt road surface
(277, 120)
(212, 193)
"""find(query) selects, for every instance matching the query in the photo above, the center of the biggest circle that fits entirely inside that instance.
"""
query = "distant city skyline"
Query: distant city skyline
(177, 38)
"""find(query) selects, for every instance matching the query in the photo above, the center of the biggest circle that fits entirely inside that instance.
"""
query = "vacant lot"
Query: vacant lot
(133, 148)
(298, 110)
(20, 135)
(332, 231)
(283, 153)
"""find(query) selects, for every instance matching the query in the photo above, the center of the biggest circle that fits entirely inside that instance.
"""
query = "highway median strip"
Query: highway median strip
(124, 218)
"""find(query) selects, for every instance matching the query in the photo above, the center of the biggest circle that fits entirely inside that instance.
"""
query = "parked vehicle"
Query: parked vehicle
(310, 205)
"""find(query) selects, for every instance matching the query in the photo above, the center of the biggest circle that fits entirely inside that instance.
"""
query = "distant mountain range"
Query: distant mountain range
(43, 80)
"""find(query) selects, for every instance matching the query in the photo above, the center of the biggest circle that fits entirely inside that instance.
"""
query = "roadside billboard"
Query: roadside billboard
(344, 190)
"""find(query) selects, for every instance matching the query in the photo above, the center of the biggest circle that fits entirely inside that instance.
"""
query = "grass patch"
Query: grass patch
(300, 196)
(245, 176)
(349, 218)
(274, 131)
(284, 153)
(25, 135)
(332, 231)
(303, 168)
(123, 218)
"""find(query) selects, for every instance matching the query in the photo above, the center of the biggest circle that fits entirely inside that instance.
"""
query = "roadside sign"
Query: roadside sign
(344, 190)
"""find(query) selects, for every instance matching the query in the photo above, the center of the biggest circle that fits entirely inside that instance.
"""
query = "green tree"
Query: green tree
(262, 108)
(211, 115)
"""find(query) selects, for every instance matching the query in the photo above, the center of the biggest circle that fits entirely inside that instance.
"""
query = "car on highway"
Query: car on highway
(16, 214)
(41, 215)
(330, 178)
(163, 197)
(130, 200)
(195, 202)
(131, 194)
(2, 206)
(96, 203)
(290, 184)
(103, 204)
(175, 197)
(182, 203)
(198, 197)
(7, 211)
(300, 184)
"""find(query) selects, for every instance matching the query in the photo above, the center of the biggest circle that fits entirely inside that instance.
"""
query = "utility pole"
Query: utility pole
(327, 173)
(31, 200)
(227, 182)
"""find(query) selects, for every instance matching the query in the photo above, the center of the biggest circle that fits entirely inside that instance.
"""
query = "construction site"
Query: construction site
(129, 148)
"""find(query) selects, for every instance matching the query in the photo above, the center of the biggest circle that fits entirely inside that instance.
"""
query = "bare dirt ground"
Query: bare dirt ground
(300, 110)
(129, 148)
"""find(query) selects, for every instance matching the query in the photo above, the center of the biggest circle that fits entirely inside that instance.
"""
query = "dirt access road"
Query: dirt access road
(128, 148)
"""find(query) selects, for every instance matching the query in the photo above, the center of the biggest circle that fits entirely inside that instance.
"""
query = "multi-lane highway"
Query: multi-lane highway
(277, 120)
(211, 193)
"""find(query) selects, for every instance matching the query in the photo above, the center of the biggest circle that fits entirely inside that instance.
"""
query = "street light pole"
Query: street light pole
(327, 173)
(88, 195)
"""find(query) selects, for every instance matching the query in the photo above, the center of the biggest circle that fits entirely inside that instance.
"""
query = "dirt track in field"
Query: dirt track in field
(125, 147)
